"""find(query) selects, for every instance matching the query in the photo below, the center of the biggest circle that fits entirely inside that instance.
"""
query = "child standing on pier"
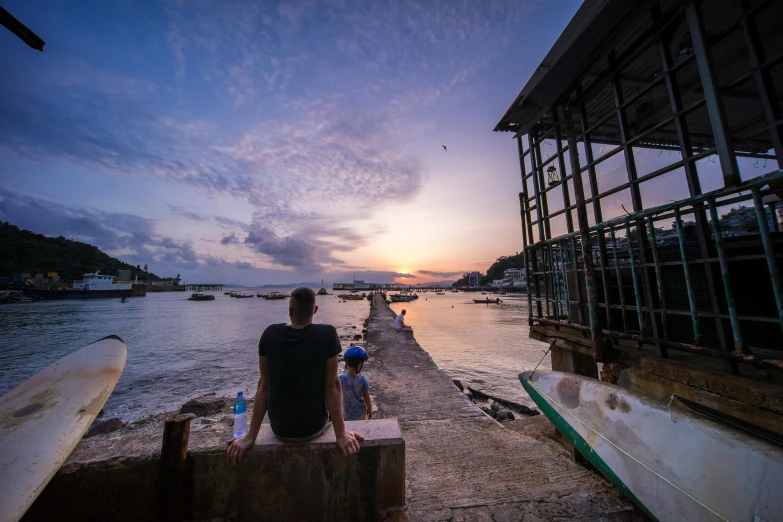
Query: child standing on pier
(357, 404)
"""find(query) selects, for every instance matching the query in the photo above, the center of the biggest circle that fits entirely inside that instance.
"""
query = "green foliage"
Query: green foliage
(462, 281)
(498, 267)
(24, 251)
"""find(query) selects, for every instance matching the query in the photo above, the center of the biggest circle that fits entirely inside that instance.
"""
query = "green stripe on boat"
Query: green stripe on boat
(580, 443)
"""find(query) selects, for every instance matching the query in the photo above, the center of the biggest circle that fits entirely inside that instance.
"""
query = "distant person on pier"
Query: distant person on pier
(400, 323)
(298, 381)
(357, 404)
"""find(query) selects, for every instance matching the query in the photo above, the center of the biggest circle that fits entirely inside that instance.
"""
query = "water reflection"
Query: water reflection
(483, 345)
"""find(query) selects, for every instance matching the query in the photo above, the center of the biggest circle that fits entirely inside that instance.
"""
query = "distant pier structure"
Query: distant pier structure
(361, 286)
(202, 287)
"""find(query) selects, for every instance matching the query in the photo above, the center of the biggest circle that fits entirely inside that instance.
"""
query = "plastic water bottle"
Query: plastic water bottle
(240, 415)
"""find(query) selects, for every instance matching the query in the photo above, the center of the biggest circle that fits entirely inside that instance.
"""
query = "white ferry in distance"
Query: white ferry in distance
(96, 282)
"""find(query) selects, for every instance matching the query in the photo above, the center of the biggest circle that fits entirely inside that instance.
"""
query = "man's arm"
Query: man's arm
(239, 445)
(347, 440)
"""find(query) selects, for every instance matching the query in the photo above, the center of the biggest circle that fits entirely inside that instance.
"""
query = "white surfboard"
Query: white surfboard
(673, 463)
(44, 418)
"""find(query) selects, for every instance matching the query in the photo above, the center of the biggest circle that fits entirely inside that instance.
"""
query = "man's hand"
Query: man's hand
(238, 446)
(349, 442)
(369, 414)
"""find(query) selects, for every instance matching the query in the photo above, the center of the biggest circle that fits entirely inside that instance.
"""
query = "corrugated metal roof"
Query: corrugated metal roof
(620, 28)
(572, 55)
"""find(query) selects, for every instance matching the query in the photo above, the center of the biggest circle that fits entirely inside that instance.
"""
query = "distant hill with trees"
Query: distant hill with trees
(22, 251)
(495, 271)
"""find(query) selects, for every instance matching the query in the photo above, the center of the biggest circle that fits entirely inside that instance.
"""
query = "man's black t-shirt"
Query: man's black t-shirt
(296, 375)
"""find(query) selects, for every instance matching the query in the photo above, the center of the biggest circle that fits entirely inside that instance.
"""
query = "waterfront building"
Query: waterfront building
(741, 221)
(474, 279)
(515, 275)
(665, 110)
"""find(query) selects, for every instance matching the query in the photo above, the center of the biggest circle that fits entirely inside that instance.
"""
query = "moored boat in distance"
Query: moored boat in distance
(487, 301)
(322, 291)
(242, 296)
(352, 297)
(91, 286)
(15, 296)
(403, 297)
(196, 296)
(274, 296)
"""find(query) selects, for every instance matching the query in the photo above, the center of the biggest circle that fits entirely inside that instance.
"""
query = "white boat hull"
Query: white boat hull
(44, 418)
(673, 463)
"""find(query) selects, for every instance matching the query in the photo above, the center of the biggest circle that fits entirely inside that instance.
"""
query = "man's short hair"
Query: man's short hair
(301, 304)
(403, 311)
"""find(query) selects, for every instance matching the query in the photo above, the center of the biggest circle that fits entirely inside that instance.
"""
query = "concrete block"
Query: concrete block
(275, 480)
(565, 360)
(300, 481)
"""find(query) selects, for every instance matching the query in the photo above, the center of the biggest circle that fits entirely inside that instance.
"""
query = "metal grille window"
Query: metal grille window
(650, 181)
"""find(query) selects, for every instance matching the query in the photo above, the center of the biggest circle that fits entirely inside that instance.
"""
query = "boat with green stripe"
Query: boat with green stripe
(674, 463)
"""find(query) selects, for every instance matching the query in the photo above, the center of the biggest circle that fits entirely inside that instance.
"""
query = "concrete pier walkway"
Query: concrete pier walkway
(462, 465)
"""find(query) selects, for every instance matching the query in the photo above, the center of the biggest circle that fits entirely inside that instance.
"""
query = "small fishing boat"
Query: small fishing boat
(440, 293)
(274, 296)
(17, 296)
(403, 297)
(352, 297)
(322, 291)
(227, 293)
(242, 296)
(673, 461)
(201, 297)
(487, 301)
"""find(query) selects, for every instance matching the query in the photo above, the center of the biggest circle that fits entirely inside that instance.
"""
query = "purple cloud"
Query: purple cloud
(230, 239)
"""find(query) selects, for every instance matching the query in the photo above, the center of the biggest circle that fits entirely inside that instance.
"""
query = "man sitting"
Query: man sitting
(298, 381)
(400, 323)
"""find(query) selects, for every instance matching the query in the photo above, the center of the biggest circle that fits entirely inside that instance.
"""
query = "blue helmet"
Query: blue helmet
(358, 352)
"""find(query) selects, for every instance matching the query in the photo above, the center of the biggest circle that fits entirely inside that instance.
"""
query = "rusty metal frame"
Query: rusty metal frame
(556, 257)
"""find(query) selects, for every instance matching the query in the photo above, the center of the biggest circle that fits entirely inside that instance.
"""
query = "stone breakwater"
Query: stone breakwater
(461, 464)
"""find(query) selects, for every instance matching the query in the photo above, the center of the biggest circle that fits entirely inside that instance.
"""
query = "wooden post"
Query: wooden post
(172, 503)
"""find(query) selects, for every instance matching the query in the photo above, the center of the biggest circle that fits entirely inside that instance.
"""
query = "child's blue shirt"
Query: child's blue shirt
(353, 402)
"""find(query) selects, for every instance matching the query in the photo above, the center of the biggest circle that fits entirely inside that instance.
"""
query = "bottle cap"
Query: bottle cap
(240, 393)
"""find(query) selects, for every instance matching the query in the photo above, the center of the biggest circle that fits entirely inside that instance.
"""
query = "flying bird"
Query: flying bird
(444, 148)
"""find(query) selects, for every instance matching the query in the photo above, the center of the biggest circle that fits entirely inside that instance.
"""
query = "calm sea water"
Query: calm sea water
(484, 346)
(179, 349)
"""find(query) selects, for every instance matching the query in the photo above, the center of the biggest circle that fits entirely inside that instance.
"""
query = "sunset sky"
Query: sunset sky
(272, 142)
